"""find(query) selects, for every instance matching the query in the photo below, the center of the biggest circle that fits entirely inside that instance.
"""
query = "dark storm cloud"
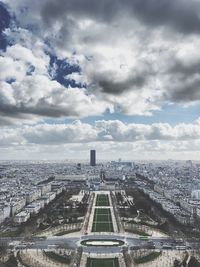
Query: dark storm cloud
(180, 15)
(100, 10)
(42, 108)
(184, 91)
(184, 85)
(179, 68)
(111, 86)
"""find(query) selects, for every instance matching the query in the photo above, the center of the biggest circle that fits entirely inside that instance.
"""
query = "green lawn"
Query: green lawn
(102, 221)
(103, 211)
(102, 200)
(102, 262)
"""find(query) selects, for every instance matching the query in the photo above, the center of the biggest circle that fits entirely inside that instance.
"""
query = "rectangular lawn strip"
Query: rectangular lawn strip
(102, 200)
(102, 218)
(102, 221)
(112, 262)
(102, 215)
(102, 227)
(102, 211)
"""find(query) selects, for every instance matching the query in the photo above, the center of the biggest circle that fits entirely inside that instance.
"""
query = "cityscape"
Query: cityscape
(99, 133)
(115, 213)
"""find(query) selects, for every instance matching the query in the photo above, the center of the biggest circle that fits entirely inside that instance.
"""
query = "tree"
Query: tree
(176, 263)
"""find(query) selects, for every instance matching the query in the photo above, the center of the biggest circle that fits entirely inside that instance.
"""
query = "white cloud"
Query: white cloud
(131, 65)
(38, 96)
(105, 131)
(23, 54)
(10, 69)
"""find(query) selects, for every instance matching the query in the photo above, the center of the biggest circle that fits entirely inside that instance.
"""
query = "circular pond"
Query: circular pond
(102, 243)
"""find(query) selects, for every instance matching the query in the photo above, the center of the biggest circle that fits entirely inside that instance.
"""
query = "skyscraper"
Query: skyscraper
(92, 157)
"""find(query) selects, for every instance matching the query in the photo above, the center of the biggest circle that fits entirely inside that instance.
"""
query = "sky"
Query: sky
(121, 77)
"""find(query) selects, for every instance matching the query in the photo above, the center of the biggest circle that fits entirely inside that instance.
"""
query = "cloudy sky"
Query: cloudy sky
(122, 77)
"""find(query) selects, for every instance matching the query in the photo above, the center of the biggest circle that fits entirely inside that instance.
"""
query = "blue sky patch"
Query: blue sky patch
(60, 68)
(4, 23)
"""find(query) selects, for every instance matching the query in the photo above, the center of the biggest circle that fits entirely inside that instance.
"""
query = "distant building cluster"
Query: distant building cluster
(20, 205)
(173, 187)
(26, 188)
(24, 191)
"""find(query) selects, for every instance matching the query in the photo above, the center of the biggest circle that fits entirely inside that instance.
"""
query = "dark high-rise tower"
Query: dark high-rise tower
(92, 157)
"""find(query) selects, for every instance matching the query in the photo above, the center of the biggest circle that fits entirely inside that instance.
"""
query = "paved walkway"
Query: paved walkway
(87, 221)
(65, 228)
(36, 258)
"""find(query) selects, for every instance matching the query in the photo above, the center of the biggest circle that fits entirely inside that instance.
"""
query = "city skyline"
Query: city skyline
(118, 77)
